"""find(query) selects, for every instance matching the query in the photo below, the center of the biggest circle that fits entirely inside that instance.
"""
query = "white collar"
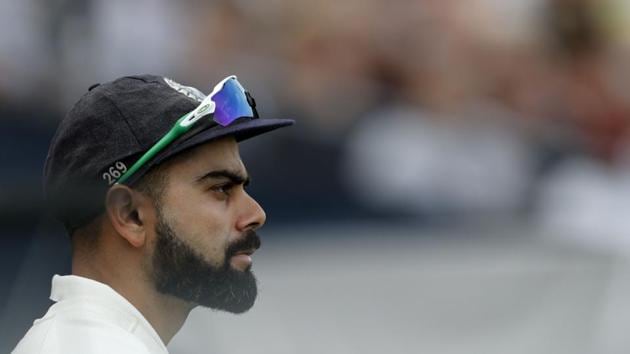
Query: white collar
(71, 289)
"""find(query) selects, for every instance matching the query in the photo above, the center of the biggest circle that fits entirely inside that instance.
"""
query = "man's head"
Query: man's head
(196, 225)
(180, 216)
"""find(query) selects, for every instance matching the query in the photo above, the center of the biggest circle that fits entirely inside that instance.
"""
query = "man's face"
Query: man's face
(204, 233)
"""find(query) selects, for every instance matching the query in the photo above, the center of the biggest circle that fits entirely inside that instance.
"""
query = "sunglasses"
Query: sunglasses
(227, 102)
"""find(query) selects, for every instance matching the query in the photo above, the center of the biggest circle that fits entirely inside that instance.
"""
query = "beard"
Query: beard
(180, 271)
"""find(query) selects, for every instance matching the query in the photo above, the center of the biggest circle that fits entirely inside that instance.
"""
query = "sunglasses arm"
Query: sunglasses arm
(176, 131)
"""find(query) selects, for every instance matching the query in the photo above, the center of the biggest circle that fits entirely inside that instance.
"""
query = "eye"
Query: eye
(223, 189)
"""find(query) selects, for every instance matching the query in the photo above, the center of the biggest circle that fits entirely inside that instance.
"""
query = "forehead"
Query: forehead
(222, 154)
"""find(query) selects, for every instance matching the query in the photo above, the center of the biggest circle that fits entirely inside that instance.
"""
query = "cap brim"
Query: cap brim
(240, 131)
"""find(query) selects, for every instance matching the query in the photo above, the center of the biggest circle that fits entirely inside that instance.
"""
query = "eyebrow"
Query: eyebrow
(233, 176)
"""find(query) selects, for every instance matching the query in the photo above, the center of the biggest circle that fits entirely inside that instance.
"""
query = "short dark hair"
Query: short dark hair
(153, 183)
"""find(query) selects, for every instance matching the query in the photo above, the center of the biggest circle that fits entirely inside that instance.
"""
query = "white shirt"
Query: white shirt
(89, 317)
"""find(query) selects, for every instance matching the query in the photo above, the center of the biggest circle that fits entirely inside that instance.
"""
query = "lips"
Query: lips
(241, 251)
(248, 252)
(242, 260)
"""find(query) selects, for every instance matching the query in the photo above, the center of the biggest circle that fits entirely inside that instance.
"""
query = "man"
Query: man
(146, 176)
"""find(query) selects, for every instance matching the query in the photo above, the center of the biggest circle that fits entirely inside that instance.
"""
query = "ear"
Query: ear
(128, 212)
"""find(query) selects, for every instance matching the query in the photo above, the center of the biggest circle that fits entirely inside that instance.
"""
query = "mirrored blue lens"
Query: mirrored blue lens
(231, 103)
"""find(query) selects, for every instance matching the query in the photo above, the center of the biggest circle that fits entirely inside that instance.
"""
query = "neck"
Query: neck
(165, 313)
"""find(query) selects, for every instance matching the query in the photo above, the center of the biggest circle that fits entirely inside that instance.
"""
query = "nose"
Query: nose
(252, 215)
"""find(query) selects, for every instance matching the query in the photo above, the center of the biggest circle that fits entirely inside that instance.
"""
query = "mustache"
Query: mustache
(250, 241)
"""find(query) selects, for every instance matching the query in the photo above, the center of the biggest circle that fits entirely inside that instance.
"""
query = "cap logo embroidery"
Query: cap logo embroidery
(187, 91)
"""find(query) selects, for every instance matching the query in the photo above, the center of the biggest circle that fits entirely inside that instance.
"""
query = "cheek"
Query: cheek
(202, 223)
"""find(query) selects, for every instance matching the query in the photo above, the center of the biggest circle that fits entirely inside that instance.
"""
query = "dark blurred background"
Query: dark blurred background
(498, 126)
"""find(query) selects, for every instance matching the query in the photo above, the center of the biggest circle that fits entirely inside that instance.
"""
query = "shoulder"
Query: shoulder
(78, 334)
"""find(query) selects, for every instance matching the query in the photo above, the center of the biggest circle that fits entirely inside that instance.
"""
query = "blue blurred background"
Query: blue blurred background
(458, 180)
